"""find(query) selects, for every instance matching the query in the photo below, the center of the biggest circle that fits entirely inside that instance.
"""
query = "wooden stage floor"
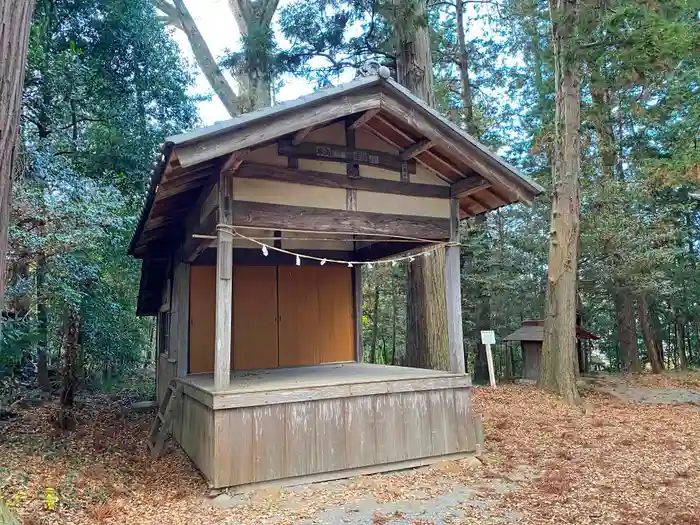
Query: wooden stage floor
(335, 374)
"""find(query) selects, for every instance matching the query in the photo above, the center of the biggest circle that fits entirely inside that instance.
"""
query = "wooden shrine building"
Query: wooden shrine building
(531, 335)
(265, 346)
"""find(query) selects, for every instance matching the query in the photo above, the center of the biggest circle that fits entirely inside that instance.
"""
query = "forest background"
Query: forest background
(106, 82)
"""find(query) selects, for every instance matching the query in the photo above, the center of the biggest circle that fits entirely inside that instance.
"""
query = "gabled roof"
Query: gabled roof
(479, 179)
(533, 331)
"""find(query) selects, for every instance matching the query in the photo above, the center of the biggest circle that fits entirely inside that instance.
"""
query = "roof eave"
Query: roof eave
(496, 161)
(163, 160)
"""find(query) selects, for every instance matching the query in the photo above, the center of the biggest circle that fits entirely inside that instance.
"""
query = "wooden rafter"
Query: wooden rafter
(468, 186)
(300, 135)
(421, 158)
(234, 161)
(359, 121)
(416, 149)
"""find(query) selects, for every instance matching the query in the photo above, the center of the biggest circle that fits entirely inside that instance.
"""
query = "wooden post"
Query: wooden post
(453, 295)
(357, 312)
(224, 284)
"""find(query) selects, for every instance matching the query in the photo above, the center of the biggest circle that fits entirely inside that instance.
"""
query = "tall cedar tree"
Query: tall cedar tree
(558, 362)
(15, 21)
(426, 320)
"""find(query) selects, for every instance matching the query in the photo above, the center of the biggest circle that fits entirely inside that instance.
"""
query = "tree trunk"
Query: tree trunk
(394, 308)
(15, 21)
(649, 341)
(42, 326)
(627, 328)
(178, 16)
(680, 338)
(558, 360)
(414, 64)
(254, 20)
(375, 325)
(426, 315)
(426, 330)
(70, 371)
(508, 355)
(467, 103)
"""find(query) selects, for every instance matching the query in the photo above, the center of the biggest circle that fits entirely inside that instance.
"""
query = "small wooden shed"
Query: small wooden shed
(531, 335)
(265, 342)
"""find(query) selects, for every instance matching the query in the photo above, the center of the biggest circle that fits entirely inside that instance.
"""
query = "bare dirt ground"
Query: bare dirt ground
(621, 459)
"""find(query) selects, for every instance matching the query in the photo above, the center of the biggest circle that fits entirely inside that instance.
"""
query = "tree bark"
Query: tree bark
(375, 325)
(627, 329)
(649, 340)
(680, 337)
(467, 103)
(558, 360)
(426, 330)
(414, 64)
(426, 315)
(70, 371)
(178, 16)
(43, 325)
(254, 20)
(394, 313)
(15, 21)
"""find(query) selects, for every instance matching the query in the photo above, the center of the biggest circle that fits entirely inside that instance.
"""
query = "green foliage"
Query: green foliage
(105, 84)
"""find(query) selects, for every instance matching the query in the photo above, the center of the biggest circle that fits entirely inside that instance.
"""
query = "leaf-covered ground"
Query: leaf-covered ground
(610, 462)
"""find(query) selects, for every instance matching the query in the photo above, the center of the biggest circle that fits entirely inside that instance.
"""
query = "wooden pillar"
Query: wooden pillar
(453, 295)
(224, 284)
(357, 311)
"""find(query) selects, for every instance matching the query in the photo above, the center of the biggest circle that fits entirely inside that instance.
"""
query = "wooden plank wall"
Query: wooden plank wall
(271, 442)
(193, 429)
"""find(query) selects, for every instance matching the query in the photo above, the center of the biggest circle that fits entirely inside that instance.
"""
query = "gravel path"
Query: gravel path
(623, 391)
(476, 503)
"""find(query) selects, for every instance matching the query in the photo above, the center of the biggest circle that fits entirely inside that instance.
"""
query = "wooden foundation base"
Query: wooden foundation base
(348, 473)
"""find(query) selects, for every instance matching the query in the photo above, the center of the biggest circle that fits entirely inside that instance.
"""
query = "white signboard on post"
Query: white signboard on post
(488, 338)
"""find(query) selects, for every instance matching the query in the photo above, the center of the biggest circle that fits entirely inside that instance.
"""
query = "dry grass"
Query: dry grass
(615, 464)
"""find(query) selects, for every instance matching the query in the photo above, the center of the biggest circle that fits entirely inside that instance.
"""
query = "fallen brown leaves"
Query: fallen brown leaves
(614, 464)
(619, 463)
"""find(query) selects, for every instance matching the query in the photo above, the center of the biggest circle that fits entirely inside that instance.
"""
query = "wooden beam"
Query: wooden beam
(468, 186)
(255, 257)
(381, 250)
(195, 223)
(167, 191)
(344, 154)
(453, 296)
(273, 216)
(352, 169)
(478, 160)
(480, 202)
(356, 122)
(224, 285)
(416, 149)
(409, 140)
(234, 161)
(259, 131)
(300, 135)
(336, 180)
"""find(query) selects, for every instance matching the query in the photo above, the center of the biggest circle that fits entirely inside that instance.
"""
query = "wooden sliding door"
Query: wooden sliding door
(282, 316)
(315, 315)
(202, 318)
(254, 317)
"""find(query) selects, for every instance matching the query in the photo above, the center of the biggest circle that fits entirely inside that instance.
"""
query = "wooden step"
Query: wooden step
(160, 429)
